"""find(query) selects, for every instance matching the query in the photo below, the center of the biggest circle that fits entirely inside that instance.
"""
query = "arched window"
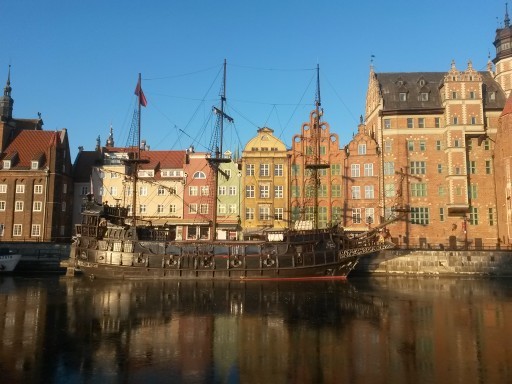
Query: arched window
(199, 175)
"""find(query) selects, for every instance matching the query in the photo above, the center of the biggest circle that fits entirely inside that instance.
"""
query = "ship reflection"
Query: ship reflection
(211, 331)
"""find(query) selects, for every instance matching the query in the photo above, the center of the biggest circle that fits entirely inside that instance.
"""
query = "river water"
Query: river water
(366, 330)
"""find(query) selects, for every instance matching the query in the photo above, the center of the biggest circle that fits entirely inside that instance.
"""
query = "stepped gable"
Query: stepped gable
(415, 83)
(29, 145)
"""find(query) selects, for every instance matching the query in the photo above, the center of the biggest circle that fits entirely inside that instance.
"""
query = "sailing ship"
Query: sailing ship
(111, 244)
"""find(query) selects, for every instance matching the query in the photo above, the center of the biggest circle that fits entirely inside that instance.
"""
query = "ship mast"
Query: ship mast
(316, 139)
(218, 158)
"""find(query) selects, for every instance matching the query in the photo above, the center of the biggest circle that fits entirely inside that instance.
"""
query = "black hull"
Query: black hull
(221, 269)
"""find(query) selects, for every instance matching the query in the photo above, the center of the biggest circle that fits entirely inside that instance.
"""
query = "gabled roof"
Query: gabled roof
(84, 162)
(415, 83)
(31, 145)
(163, 159)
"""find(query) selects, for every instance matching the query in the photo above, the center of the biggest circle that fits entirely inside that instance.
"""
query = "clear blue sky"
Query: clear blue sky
(77, 62)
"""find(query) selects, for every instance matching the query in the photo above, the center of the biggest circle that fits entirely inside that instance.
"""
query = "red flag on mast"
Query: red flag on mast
(140, 94)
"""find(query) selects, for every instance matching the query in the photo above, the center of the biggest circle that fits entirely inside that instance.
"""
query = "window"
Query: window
(205, 190)
(424, 96)
(439, 168)
(458, 190)
(249, 170)
(221, 209)
(441, 190)
(389, 168)
(455, 120)
(232, 208)
(369, 215)
(469, 144)
(192, 208)
(2, 229)
(402, 96)
(278, 191)
(336, 190)
(410, 145)
(335, 169)
(487, 144)
(492, 95)
(264, 191)
(368, 169)
(389, 190)
(418, 189)
(264, 212)
(83, 191)
(222, 190)
(249, 213)
(420, 215)
(7, 164)
(142, 208)
(490, 214)
(437, 122)
(387, 123)
(232, 190)
(355, 170)
(20, 188)
(438, 145)
(369, 192)
(456, 143)
(128, 190)
(441, 214)
(471, 94)
(193, 191)
(17, 230)
(473, 120)
(356, 192)
(199, 175)
(295, 191)
(227, 173)
(34, 164)
(160, 208)
(203, 209)
(38, 206)
(473, 191)
(264, 170)
(113, 191)
(322, 190)
(356, 215)
(2, 206)
(472, 167)
(18, 206)
(418, 167)
(361, 149)
(337, 213)
(278, 169)
(388, 146)
(161, 191)
(143, 191)
(454, 95)
(249, 191)
(278, 214)
(36, 230)
(421, 122)
(129, 207)
(473, 216)
(488, 167)
(423, 145)
(172, 208)
(295, 169)
(410, 122)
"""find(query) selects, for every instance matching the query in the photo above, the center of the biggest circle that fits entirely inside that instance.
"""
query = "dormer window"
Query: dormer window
(424, 96)
(402, 96)
(7, 164)
(492, 95)
(34, 164)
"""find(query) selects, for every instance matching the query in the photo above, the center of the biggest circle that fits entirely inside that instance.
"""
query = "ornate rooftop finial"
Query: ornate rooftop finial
(507, 19)
(110, 140)
(8, 89)
(453, 64)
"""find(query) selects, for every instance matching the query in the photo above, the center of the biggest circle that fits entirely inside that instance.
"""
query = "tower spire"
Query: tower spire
(318, 101)
(507, 19)
(6, 101)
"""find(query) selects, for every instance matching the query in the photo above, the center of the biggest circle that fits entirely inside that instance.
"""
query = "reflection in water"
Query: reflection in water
(367, 330)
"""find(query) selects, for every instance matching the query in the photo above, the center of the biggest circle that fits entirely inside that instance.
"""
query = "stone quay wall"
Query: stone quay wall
(436, 262)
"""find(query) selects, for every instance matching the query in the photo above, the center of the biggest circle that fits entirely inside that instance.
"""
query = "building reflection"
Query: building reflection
(369, 330)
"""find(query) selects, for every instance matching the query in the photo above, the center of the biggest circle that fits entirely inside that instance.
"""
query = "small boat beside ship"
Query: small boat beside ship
(8, 260)
(110, 243)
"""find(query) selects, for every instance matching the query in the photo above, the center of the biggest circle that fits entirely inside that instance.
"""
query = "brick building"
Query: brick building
(36, 187)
